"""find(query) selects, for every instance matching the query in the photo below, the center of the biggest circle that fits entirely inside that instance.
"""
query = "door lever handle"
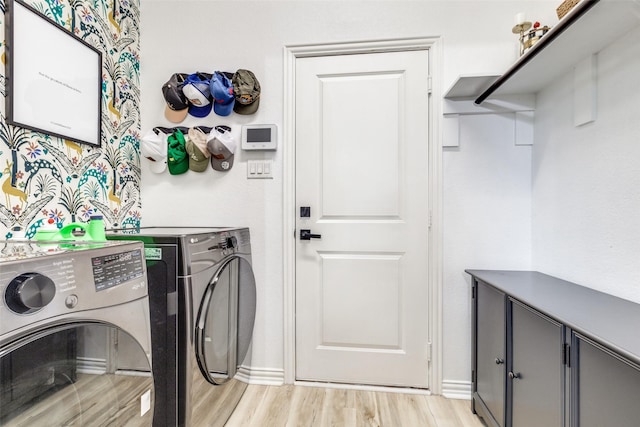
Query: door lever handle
(306, 235)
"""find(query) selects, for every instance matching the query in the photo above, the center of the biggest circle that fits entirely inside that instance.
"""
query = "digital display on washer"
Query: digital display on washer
(115, 269)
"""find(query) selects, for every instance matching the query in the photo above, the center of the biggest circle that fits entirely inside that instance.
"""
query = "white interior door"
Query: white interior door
(362, 294)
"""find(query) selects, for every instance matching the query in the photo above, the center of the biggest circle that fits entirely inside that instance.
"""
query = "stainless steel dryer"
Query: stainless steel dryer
(74, 319)
(203, 301)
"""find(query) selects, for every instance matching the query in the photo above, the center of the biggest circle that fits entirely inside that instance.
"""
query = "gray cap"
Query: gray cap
(222, 147)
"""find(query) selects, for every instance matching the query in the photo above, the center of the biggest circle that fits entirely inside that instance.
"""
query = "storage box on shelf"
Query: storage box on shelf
(565, 7)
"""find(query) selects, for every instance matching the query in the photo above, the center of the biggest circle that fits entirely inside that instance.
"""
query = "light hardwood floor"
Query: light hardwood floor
(90, 400)
(302, 406)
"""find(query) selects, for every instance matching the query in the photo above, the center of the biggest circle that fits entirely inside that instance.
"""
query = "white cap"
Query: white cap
(153, 147)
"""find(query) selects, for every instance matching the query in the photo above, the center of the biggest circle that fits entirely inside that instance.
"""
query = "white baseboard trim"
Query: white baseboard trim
(456, 389)
(271, 376)
(365, 387)
(261, 376)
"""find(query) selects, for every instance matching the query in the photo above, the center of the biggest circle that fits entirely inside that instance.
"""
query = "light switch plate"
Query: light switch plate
(260, 169)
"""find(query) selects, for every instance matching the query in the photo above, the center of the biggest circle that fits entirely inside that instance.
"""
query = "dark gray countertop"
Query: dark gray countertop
(612, 321)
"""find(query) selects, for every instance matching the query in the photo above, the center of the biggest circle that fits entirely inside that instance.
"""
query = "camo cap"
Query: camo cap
(246, 89)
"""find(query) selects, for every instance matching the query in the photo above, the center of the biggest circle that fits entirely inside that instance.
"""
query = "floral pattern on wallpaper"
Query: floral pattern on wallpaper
(45, 177)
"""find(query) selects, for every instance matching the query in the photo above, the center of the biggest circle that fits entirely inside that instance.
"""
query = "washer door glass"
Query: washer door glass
(75, 375)
(224, 326)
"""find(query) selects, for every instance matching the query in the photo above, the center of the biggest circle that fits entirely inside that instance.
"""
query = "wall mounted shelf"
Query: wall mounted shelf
(585, 30)
(568, 48)
(468, 87)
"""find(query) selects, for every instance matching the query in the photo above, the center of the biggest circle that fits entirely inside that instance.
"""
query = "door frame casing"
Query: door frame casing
(291, 54)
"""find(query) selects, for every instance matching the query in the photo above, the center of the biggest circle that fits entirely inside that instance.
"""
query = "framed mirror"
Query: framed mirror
(53, 77)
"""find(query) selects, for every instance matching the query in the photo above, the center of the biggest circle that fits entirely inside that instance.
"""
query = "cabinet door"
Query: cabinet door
(536, 372)
(490, 351)
(606, 386)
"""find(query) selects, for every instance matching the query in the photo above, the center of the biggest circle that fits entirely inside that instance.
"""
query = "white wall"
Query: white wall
(487, 224)
(185, 36)
(586, 180)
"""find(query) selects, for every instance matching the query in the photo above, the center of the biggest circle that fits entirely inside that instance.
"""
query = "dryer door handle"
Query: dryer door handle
(203, 337)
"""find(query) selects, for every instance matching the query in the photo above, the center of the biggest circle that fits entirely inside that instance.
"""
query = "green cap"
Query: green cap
(246, 89)
(198, 161)
(177, 158)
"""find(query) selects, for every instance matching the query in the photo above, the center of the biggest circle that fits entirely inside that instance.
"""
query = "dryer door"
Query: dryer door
(224, 325)
(67, 375)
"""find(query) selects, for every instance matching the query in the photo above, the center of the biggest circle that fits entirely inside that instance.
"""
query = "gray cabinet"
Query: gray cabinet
(490, 354)
(606, 384)
(536, 368)
(518, 362)
(571, 354)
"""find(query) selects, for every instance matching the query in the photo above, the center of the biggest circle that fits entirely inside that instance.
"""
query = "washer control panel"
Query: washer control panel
(44, 287)
(115, 269)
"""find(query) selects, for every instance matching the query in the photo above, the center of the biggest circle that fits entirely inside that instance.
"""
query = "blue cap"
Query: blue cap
(196, 89)
(221, 89)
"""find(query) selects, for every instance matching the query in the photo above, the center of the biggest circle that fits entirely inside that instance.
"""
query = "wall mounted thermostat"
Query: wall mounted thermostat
(259, 137)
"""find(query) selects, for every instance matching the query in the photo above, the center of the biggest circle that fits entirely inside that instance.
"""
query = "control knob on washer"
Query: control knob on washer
(29, 292)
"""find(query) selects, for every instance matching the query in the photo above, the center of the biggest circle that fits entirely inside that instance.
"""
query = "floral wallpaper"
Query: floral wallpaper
(45, 177)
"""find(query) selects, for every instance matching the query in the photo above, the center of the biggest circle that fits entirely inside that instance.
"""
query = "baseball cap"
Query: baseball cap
(196, 89)
(153, 147)
(198, 161)
(196, 147)
(177, 158)
(198, 136)
(222, 92)
(222, 147)
(246, 90)
(177, 103)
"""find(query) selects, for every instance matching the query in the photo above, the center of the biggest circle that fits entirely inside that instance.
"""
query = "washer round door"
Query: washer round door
(68, 375)
(224, 325)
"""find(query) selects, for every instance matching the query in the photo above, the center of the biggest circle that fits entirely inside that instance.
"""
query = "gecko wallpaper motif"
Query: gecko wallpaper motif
(46, 177)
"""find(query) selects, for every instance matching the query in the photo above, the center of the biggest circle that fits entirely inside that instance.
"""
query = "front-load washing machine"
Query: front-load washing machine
(202, 299)
(75, 338)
